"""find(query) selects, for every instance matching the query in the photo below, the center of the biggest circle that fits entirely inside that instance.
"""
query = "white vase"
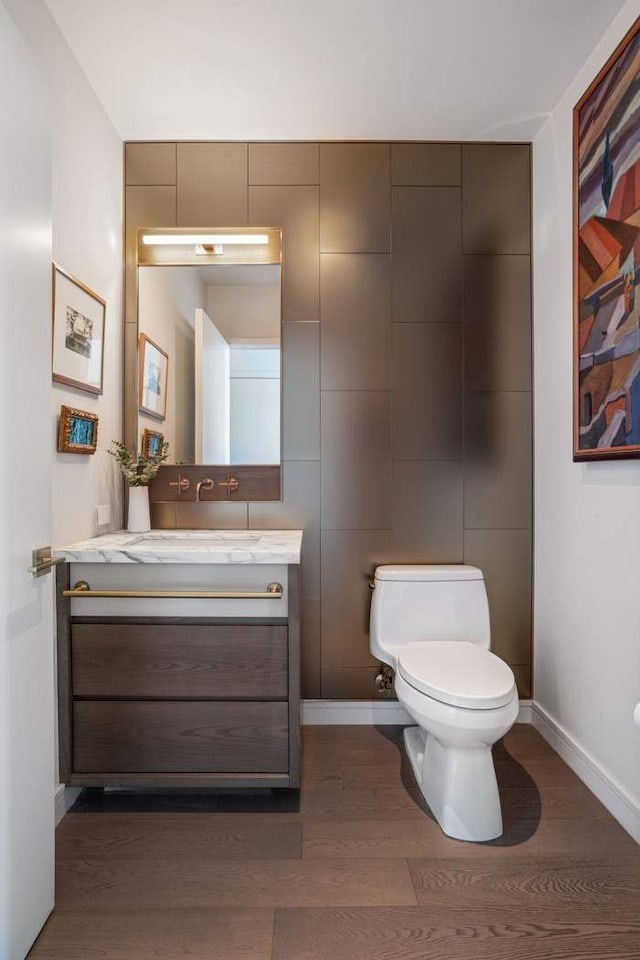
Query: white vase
(138, 518)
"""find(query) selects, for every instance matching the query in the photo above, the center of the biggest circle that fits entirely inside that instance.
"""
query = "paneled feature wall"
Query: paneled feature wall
(407, 423)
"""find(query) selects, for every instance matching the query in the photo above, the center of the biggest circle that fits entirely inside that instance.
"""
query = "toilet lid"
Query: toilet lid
(457, 672)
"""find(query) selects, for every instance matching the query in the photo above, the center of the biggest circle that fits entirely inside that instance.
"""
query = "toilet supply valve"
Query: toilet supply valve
(383, 680)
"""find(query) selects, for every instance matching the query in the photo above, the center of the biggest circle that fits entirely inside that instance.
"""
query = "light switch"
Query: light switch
(103, 514)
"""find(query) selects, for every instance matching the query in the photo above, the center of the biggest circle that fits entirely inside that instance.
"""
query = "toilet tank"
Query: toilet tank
(426, 602)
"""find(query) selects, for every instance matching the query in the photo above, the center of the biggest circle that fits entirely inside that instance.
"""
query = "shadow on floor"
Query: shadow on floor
(97, 800)
(510, 774)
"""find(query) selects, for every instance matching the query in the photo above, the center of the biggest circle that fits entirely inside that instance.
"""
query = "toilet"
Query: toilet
(431, 625)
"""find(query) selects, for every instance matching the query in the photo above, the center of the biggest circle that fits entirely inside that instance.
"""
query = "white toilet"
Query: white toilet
(431, 625)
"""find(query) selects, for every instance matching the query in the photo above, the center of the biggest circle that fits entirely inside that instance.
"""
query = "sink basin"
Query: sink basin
(154, 542)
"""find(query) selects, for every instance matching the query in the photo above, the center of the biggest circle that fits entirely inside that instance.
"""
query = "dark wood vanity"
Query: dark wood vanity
(179, 701)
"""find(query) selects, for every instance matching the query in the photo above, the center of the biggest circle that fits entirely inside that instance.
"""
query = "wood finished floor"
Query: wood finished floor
(358, 870)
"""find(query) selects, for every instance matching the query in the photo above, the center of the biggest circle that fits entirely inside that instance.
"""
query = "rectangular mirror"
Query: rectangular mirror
(209, 329)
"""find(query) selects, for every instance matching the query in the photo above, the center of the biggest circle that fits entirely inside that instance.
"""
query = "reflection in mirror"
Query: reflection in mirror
(219, 325)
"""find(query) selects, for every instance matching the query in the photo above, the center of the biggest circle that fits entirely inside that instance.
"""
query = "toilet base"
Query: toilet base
(458, 783)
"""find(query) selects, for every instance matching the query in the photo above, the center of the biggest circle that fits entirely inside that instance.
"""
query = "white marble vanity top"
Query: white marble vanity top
(188, 546)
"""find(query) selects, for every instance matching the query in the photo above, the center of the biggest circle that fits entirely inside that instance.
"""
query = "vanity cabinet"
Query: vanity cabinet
(183, 701)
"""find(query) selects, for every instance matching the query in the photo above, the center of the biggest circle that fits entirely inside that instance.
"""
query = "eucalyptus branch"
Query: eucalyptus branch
(138, 470)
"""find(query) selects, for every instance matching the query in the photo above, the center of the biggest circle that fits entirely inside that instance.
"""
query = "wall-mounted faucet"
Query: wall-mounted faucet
(205, 484)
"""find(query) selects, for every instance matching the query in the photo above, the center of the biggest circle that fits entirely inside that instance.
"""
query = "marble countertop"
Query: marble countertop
(188, 546)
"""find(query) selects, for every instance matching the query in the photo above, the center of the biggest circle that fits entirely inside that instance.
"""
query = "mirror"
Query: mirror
(209, 374)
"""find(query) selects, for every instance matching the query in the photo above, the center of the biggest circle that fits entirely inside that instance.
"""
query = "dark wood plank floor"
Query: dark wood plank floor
(356, 869)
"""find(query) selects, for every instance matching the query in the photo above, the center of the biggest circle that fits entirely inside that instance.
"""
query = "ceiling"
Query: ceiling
(336, 69)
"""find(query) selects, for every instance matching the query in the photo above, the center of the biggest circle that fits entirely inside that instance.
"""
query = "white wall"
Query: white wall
(168, 298)
(212, 392)
(87, 242)
(587, 516)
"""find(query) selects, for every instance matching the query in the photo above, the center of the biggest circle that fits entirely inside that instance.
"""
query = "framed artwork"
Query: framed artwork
(154, 365)
(78, 431)
(606, 259)
(78, 333)
(151, 443)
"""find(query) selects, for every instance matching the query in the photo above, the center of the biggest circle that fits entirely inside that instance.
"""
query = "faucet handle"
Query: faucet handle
(182, 483)
(231, 483)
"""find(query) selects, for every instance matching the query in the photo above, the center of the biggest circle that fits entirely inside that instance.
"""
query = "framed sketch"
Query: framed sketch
(154, 365)
(151, 443)
(78, 333)
(606, 259)
(78, 431)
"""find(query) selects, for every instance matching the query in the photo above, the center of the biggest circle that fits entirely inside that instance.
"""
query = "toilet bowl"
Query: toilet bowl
(431, 625)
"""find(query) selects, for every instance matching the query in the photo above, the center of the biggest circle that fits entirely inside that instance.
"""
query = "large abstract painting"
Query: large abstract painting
(607, 259)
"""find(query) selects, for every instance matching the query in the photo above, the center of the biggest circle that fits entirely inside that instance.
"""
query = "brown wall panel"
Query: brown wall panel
(300, 391)
(426, 164)
(427, 248)
(284, 164)
(427, 511)
(348, 560)
(212, 185)
(497, 322)
(356, 459)
(351, 683)
(297, 211)
(496, 184)
(374, 461)
(355, 330)
(354, 198)
(427, 391)
(498, 460)
(150, 164)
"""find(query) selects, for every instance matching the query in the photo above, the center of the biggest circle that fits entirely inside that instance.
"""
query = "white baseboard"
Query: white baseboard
(617, 801)
(65, 799)
(369, 712)
(363, 712)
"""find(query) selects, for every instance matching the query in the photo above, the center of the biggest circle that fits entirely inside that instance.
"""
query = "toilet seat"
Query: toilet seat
(457, 673)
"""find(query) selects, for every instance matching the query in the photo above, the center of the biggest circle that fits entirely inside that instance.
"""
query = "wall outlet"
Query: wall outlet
(103, 514)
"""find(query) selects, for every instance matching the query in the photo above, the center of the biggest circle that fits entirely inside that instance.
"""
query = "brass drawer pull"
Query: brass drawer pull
(82, 589)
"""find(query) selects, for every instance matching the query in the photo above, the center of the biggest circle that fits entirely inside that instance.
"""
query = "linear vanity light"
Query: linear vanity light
(188, 239)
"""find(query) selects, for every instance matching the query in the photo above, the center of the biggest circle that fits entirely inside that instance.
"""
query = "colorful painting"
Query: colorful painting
(151, 443)
(607, 259)
(78, 431)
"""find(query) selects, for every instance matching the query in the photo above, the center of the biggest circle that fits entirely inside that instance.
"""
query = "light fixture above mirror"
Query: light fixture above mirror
(175, 246)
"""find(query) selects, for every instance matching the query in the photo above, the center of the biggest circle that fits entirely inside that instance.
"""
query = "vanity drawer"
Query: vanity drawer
(180, 737)
(173, 660)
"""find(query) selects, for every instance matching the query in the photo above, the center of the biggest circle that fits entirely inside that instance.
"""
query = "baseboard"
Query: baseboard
(65, 798)
(617, 801)
(369, 712)
(362, 712)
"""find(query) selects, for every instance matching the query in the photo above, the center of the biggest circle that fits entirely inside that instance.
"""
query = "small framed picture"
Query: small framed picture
(151, 443)
(78, 431)
(154, 365)
(78, 333)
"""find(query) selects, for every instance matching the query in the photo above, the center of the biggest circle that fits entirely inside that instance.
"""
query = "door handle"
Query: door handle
(42, 561)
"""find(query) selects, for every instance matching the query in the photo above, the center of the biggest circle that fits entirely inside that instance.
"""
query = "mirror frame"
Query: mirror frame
(257, 482)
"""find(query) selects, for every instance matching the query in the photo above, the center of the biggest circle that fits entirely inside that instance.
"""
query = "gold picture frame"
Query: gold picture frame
(152, 442)
(77, 431)
(78, 320)
(152, 378)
